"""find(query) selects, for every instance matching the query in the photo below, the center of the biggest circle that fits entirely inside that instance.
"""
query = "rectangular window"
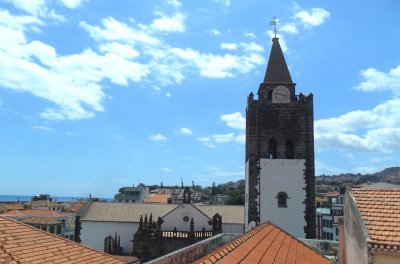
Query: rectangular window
(52, 229)
(59, 229)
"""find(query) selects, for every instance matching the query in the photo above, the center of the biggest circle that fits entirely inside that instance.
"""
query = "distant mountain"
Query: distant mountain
(391, 175)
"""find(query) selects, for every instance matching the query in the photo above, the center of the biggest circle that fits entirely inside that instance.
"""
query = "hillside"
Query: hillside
(391, 175)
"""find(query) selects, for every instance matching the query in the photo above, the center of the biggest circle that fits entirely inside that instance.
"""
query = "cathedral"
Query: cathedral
(280, 177)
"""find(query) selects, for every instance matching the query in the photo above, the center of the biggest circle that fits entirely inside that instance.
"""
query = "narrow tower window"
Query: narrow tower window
(272, 149)
(282, 199)
(289, 149)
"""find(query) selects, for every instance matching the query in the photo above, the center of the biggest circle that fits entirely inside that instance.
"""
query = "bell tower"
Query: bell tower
(280, 177)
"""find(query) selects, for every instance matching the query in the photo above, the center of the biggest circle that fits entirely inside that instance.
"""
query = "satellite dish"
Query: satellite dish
(251, 225)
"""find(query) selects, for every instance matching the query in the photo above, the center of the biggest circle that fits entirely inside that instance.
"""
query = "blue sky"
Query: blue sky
(95, 95)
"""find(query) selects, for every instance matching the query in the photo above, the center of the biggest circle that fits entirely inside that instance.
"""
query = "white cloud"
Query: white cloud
(174, 3)
(37, 8)
(72, 4)
(122, 50)
(380, 81)
(224, 2)
(323, 168)
(234, 120)
(228, 46)
(44, 128)
(166, 23)
(223, 138)
(218, 66)
(241, 138)
(313, 17)
(213, 32)
(206, 142)
(168, 94)
(125, 53)
(185, 131)
(290, 28)
(114, 30)
(375, 130)
(252, 47)
(281, 37)
(157, 137)
(249, 34)
(168, 170)
(70, 134)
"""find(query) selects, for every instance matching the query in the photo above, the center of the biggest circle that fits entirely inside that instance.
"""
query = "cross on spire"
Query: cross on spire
(274, 22)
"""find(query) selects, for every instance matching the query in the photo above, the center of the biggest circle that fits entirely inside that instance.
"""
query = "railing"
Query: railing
(186, 234)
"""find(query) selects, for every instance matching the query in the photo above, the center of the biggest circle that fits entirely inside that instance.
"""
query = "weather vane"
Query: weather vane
(274, 22)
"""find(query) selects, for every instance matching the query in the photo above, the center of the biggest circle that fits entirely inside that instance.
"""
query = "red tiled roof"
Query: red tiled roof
(332, 194)
(26, 213)
(380, 210)
(264, 244)
(156, 198)
(20, 243)
(40, 220)
(12, 206)
(44, 203)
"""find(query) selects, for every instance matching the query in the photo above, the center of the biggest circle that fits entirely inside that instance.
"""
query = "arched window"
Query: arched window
(282, 199)
(272, 149)
(289, 149)
(108, 244)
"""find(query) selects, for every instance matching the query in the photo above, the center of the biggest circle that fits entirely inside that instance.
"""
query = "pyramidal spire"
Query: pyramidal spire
(277, 70)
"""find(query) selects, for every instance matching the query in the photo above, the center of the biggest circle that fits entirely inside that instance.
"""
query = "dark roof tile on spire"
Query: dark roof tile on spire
(277, 70)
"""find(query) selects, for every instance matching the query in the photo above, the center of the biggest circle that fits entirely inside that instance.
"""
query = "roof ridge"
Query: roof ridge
(231, 246)
(297, 239)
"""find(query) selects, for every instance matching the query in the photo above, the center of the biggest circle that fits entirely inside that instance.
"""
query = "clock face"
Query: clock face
(281, 95)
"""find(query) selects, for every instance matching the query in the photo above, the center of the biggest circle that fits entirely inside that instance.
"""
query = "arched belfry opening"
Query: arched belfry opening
(289, 149)
(272, 149)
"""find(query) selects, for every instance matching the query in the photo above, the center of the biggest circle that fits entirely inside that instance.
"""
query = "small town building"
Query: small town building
(5, 207)
(132, 194)
(371, 228)
(46, 220)
(45, 205)
(99, 220)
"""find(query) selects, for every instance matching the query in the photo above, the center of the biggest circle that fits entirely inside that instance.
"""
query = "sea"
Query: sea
(59, 199)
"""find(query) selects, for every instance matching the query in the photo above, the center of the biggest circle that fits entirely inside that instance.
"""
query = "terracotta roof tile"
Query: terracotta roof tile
(264, 244)
(44, 203)
(12, 206)
(27, 213)
(380, 210)
(156, 198)
(130, 212)
(16, 247)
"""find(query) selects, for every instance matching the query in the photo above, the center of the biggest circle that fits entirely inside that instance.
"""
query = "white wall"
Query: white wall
(175, 219)
(283, 175)
(94, 233)
(232, 228)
